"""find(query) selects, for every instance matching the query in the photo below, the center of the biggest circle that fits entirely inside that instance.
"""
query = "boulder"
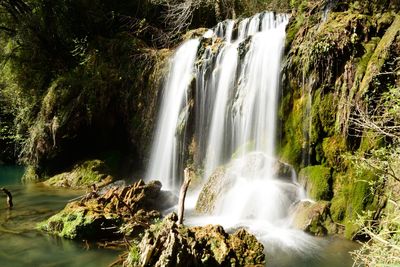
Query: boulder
(124, 210)
(313, 218)
(168, 244)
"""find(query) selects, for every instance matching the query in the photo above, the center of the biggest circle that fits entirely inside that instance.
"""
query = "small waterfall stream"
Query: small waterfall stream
(165, 160)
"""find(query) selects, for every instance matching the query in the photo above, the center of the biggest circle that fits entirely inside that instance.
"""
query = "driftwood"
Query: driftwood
(9, 197)
(182, 195)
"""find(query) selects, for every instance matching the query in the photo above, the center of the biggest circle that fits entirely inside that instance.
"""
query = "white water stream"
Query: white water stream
(237, 70)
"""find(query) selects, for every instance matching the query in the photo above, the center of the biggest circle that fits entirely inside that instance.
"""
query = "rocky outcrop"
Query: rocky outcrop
(124, 210)
(103, 100)
(168, 244)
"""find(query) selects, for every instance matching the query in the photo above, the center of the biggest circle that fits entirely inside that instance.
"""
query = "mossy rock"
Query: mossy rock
(75, 222)
(168, 244)
(111, 213)
(333, 148)
(338, 207)
(317, 180)
(380, 55)
(313, 218)
(224, 177)
(83, 175)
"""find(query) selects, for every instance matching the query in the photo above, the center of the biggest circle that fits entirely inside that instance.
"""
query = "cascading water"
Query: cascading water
(236, 96)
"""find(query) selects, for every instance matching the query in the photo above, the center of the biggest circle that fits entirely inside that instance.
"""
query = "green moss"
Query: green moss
(369, 50)
(293, 133)
(357, 196)
(293, 27)
(384, 20)
(317, 181)
(323, 109)
(338, 207)
(82, 175)
(333, 148)
(369, 141)
(65, 224)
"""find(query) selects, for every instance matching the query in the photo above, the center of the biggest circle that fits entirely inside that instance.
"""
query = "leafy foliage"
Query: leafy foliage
(62, 58)
(383, 247)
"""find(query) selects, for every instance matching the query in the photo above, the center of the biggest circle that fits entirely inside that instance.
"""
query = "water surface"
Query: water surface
(22, 245)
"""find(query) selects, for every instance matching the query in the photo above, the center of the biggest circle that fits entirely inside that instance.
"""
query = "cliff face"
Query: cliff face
(335, 56)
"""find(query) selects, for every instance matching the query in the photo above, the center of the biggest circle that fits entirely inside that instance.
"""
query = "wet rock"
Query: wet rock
(87, 173)
(313, 218)
(124, 210)
(218, 183)
(169, 244)
(282, 170)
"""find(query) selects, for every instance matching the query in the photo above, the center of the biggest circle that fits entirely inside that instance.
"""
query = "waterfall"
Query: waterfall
(236, 89)
(236, 66)
(230, 109)
(166, 157)
(243, 82)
